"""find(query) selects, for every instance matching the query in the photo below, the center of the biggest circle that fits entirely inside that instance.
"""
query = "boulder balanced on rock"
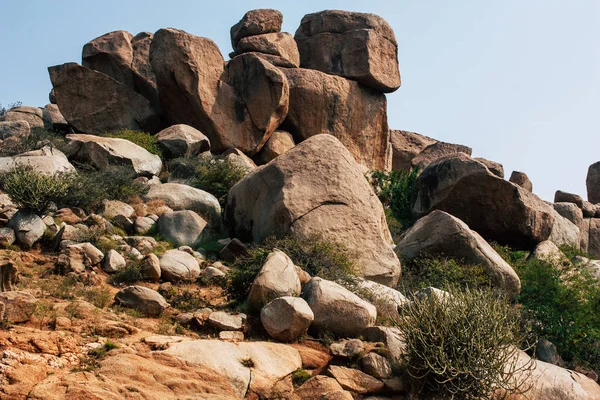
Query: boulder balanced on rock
(316, 188)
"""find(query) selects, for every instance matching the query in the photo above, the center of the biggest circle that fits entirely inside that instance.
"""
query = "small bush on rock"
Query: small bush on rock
(142, 139)
(32, 190)
(206, 173)
(396, 190)
(459, 346)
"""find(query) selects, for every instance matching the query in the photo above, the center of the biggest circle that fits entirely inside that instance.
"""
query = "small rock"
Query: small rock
(276, 278)
(182, 140)
(7, 237)
(347, 348)
(142, 299)
(28, 227)
(355, 380)
(224, 321)
(565, 197)
(113, 262)
(231, 336)
(143, 225)
(286, 318)
(377, 366)
(211, 272)
(182, 228)
(521, 179)
(150, 268)
(546, 351)
(112, 208)
(176, 265)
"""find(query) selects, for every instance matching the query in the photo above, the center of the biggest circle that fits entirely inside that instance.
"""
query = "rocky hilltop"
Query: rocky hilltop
(179, 226)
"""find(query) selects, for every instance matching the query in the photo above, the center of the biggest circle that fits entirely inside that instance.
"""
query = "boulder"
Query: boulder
(316, 188)
(143, 225)
(496, 209)
(564, 232)
(521, 179)
(593, 183)
(357, 46)
(494, 167)
(232, 250)
(224, 321)
(278, 143)
(406, 146)
(377, 366)
(589, 209)
(439, 233)
(113, 262)
(347, 348)
(28, 227)
(183, 197)
(355, 380)
(386, 300)
(392, 339)
(318, 386)
(47, 160)
(181, 228)
(112, 55)
(276, 278)
(357, 116)
(256, 22)
(144, 80)
(94, 103)
(113, 208)
(436, 151)
(336, 309)
(103, 151)
(565, 197)
(182, 141)
(594, 238)
(77, 258)
(14, 129)
(547, 251)
(17, 306)
(32, 115)
(177, 265)
(280, 44)
(286, 318)
(546, 351)
(7, 237)
(142, 299)
(53, 118)
(150, 267)
(240, 160)
(570, 211)
(237, 106)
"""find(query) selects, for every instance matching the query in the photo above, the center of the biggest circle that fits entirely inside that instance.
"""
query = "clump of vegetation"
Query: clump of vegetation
(38, 138)
(129, 275)
(396, 190)
(313, 254)
(185, 300)
(142, 139)
(441, 272)
(32, 190)
(459, 346)
(560, 303)
(300, 376)
(206, 173)
(101, 351)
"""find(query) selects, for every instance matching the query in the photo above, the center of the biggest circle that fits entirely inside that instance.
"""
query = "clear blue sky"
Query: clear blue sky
(518, 81)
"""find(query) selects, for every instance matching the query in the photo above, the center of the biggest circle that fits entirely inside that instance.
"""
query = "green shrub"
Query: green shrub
(300, 376)
(142, 139)
(129, 275)
(38, 138)
(32, 190)
(441, 272)
(396, 190)
(90, 187)
(458, 346)
(206, 173)
(185, 300)
(316, 256)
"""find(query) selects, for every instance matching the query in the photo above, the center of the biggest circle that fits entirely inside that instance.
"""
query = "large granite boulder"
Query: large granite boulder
(406, 146)
(182, 140)
(357, 46)
(103, 151)
(32, 115)
(256, 22)
(439, 233)
(280, 44)
(235, 106)
(357, 116)
(566, 197)
(95, 103)
(316, 188)
(496, 209)
(46, 160)
(593, 183)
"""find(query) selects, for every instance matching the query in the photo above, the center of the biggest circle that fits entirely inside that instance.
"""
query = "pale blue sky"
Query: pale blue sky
(516, 80)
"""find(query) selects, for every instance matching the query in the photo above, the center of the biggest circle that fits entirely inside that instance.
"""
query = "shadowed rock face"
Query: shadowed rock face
(593, 183)
(357, 46)
(316, 188)
(495, 208)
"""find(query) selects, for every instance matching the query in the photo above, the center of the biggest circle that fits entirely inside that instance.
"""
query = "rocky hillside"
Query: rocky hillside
(177, 226)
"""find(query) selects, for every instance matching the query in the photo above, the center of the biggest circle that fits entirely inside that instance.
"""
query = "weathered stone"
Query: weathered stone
(386, 300)
(143, 225)
(232, 250)
(278, 143)
(496, 209)
(142, 299)
(565, 197)
(17, 306)
(594, 238)
(564, 232)
(357, 116)
(436, 151)
(182, 140)
(225, 321)
(316, 189)
(32, 115)
(176, 265)
(546, 351)
(78, 257)
(549, 252)
(112, 208)
(494, 167)
(589, 209)
(377, 366)
(521, 179)
(112, 55)
(406, 146)
(94, 103)
(570, 211)
(182, 228)
(336, 309)
(318, 386)
(349, 348)
(103, 151)
(355, 380)
(28, 227)
(9, 276)
(53, 118)
(113, 262)
(357, 46)
(144, 80)
(276, 278)
(183, 197)
(280, 44)
(150, 267)
(286, 318)
(14, 129)
(46, 160)
(390, 337)
(239, 159)
(7, 237)
(256, 22)
(593, 183)
(439, 233)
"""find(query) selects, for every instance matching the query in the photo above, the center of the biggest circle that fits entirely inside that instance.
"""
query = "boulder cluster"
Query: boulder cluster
(305, 118)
